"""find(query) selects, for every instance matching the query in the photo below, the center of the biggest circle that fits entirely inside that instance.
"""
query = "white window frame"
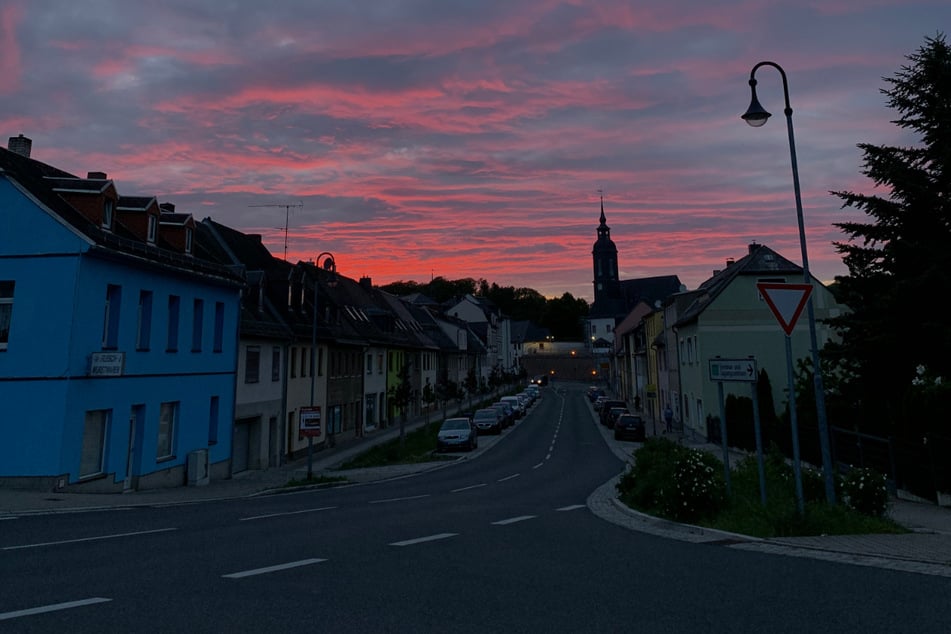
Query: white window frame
(6, 312)
(108, 211)
(167, 423)
(152, 229)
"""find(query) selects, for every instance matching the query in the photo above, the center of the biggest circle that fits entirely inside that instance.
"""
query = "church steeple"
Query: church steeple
(607, 286)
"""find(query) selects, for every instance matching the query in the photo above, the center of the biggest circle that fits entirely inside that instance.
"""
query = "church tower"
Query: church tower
(607, 286)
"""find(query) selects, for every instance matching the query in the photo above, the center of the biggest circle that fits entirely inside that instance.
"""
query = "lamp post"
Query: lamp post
(331, 266)
(756, 116)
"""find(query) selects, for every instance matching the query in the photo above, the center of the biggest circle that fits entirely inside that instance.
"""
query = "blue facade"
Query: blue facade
(117, 364)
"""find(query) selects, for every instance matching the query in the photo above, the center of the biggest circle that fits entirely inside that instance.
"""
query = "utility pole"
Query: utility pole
(287, 216)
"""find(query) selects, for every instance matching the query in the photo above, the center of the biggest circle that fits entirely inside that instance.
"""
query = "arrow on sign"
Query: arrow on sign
(786, 301)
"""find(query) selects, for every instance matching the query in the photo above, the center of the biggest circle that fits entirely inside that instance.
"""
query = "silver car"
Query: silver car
(457, 433)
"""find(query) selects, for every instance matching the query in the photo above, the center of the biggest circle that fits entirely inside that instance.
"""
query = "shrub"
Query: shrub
(864, 490)
(644, 484)
(699, 489)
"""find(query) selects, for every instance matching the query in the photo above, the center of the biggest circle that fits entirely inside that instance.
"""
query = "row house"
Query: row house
(117, 346)
(726, 317)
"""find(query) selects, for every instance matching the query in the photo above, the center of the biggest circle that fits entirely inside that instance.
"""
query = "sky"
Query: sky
(472, 138)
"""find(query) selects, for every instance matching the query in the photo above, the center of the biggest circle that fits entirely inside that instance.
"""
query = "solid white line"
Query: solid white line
(572, 507)
(512, 520)
(9, 518)
(412, 497)
(538, 465)
(261, 517)
(514, 475)
(52, 608)
(420, 540)
(261, 571)
(474, 486)
(89, 539)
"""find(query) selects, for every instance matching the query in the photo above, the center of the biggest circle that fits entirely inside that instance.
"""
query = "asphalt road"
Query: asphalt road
(502, 543)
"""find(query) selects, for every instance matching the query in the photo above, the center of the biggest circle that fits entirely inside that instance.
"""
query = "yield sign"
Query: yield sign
(786, 301)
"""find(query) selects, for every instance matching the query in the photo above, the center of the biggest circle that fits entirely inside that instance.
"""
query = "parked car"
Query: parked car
(629, 426)
(516, 405)
(488, 420)
(457, 433)
(606, 406)
(598, 401)
(594, 392)
(534, 390)
(508, 414)
(613, 413)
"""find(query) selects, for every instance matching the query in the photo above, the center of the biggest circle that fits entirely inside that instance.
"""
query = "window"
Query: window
(168, 417)
(213, 413)
(379, 364)
(110, 318)
(144, 326)
(369, 364)
(173, 308)
(153, 225)
(252, 364)
(370, 417)
(276, 363)
(94, 436)
(198, 315)
(219, 326)
(303, 361)
(188, 240)
(107, 208)
(6, 311)
(293, 363)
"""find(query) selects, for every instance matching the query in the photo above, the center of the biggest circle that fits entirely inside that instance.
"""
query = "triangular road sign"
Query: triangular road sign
(786, 301)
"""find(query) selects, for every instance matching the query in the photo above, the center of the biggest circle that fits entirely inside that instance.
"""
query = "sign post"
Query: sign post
(786, 301)
(743, 370)
(309, 421)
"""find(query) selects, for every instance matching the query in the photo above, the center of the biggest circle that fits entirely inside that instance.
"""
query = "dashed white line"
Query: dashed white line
(52, 608)
(261, 517)
(474, 486)
(420, 540)
(411, 497)
(89, 539)
(572, 507)
(261, 571)
(538, 465)
(514, 475)
(512, 520)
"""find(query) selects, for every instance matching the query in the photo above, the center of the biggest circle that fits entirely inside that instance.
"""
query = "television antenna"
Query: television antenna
(287, 215)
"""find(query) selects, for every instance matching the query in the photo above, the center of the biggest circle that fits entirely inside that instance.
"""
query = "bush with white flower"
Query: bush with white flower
(698, 489)
(864, 490)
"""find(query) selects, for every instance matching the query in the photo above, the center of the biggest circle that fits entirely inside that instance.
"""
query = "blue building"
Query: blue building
(118, 347)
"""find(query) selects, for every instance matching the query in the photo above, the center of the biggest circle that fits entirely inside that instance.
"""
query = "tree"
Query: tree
(901, 256)
(401, 395)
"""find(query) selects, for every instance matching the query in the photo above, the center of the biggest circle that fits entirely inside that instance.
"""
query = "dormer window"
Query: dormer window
(188, 240)
(107, 209)
(153, 226)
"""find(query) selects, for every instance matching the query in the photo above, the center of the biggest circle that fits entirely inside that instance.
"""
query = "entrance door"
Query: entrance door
(239, 459)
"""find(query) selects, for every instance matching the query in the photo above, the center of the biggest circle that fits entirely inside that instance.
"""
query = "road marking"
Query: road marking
(261, 517)
(538, 465)
(474, 486)
(420, 540)
(261, 571)
(572, 507)
(89, 539)
(9, 518)
(52, 608)
(512, 520)
(412, 497)
(514, 475)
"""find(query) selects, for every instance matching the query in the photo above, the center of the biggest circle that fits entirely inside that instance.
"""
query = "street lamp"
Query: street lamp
(756, 116)
(331, 267)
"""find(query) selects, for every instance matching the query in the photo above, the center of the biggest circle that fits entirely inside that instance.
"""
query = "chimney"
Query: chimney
(729, 262)
(20, 145)
(366, 283)
(96, 176)
(167, 208)
(753, 247)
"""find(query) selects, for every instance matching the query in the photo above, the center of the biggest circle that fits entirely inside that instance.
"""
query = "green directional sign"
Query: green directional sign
(733, 370)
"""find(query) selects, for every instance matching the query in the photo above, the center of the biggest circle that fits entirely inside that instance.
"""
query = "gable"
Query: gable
(28, 228)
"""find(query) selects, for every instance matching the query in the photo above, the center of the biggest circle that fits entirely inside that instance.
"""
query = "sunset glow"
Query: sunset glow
(435, 138)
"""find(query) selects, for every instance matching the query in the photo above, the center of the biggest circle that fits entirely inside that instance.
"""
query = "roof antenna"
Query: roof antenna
(287, 216)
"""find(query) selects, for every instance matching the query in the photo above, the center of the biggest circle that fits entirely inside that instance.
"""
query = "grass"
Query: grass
(320, 479)
(419, 446)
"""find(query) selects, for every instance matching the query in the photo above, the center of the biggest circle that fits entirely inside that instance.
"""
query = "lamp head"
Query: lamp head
(756, 115)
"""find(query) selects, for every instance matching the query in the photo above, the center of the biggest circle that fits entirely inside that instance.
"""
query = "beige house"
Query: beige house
(728, 318)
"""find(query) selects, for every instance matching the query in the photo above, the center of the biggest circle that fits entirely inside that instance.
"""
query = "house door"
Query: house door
(274, 449)
(242, 440)
(136, 420)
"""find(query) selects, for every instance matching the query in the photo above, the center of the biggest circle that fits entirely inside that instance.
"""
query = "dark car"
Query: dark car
(457, 433)
(605, 408)
(508, 414)
(613, 413)
(488, 420)
(630, 427)
(594, 392)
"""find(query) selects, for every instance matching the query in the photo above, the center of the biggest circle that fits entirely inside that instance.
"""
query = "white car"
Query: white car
(457, 433)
